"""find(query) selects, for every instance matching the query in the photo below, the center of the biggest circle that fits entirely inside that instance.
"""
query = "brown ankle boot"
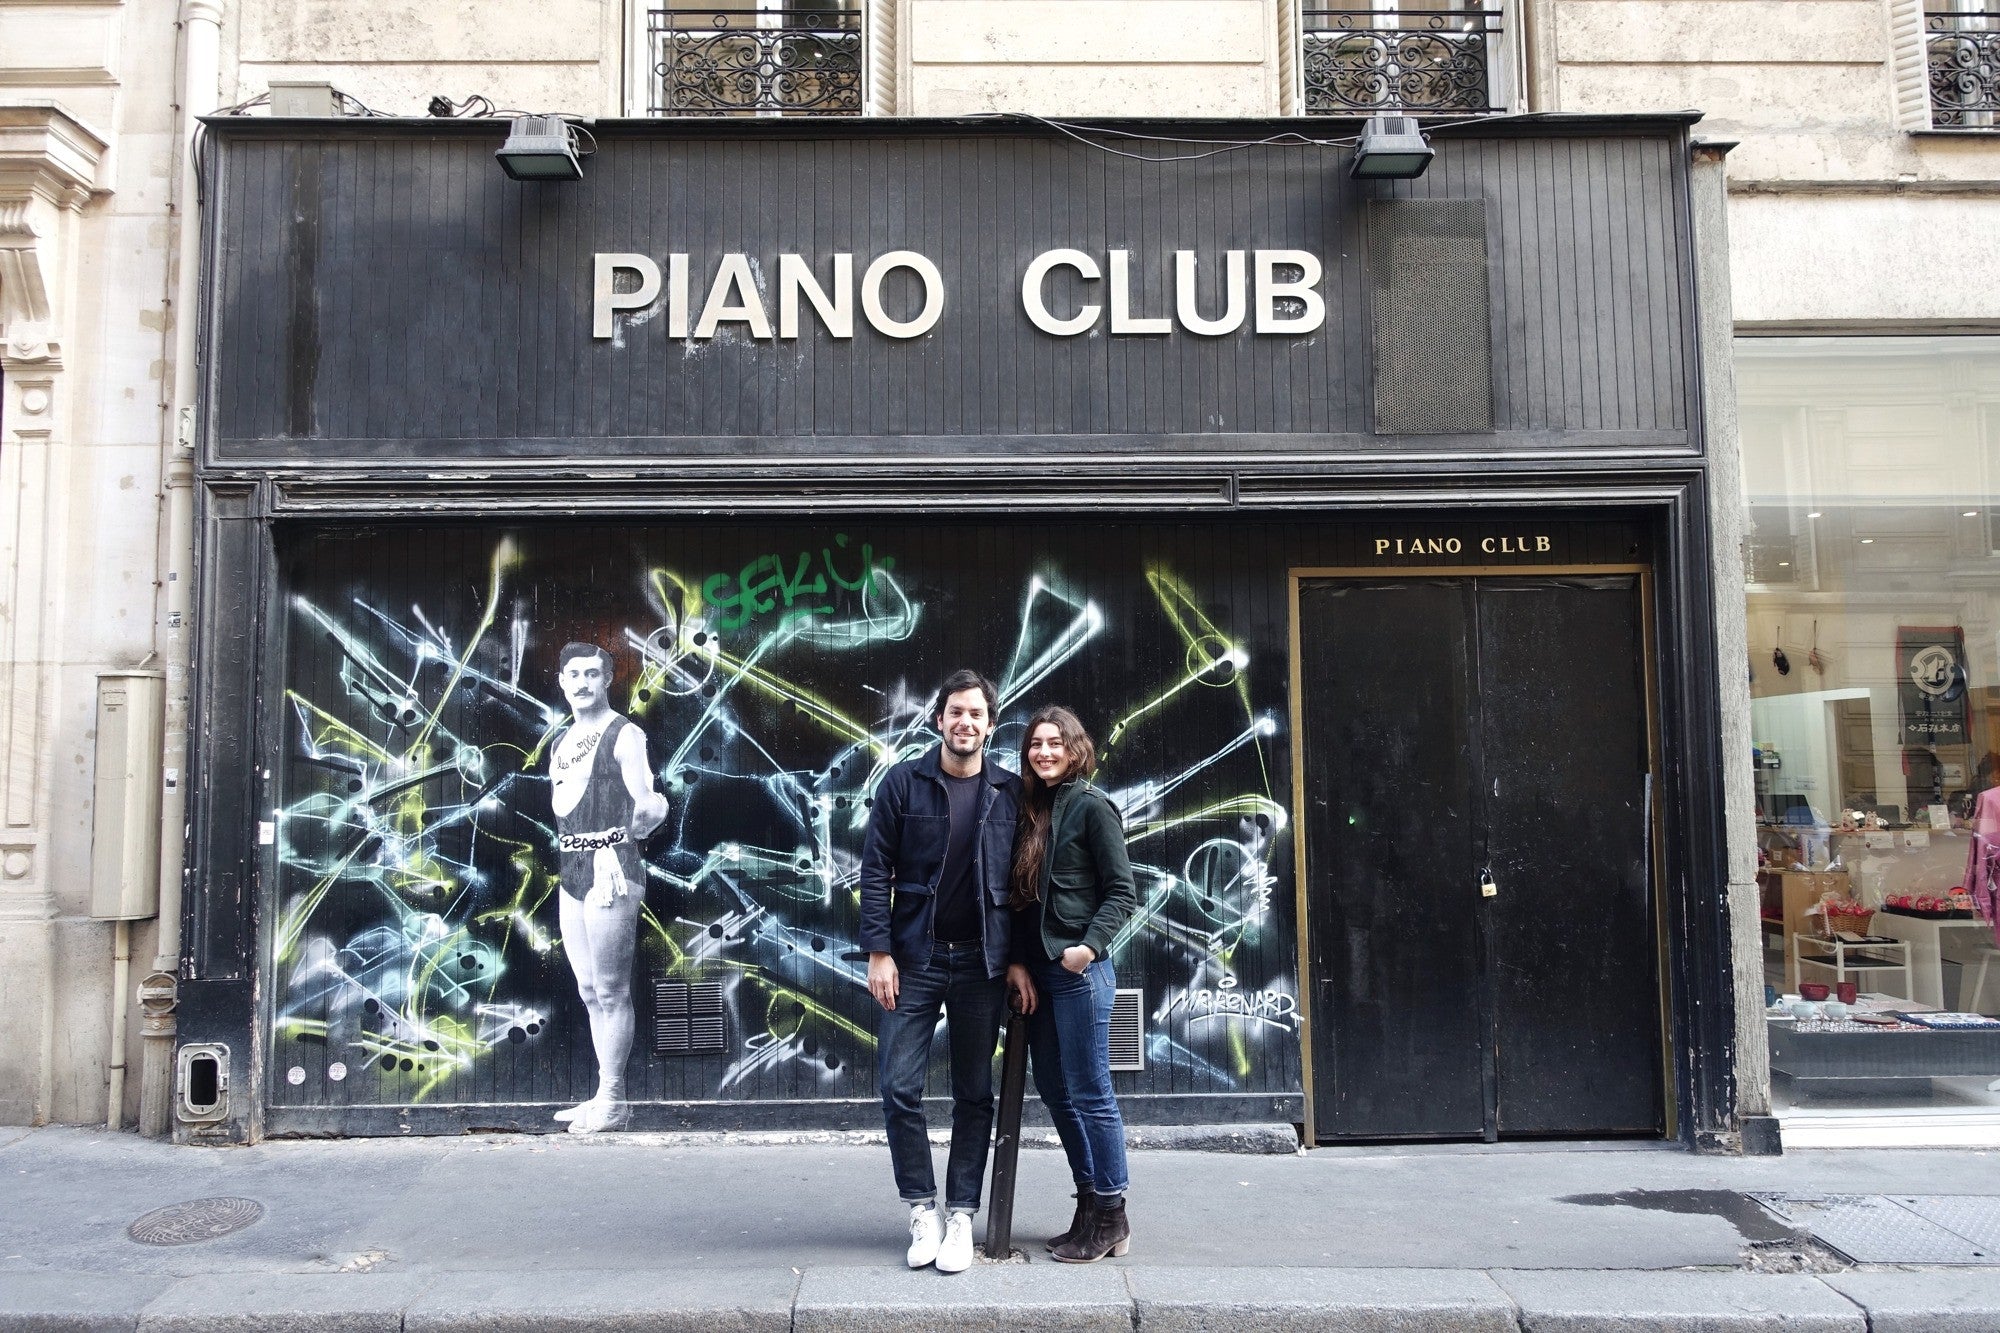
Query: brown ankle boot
(1108, 1233)
(1079, 1222)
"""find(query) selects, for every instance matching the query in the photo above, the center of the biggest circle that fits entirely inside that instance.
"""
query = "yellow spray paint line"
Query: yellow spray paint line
(505, 555)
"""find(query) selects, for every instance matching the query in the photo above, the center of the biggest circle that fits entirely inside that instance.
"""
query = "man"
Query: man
(935, 924)
(605, 806)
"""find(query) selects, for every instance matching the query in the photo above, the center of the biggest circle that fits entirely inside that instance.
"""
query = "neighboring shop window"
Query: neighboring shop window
(1871, 471)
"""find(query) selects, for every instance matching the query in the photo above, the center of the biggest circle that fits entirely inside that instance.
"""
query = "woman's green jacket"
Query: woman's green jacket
(1087, 889)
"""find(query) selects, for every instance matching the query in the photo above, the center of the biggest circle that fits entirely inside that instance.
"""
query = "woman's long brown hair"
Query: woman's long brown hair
(1038, 798)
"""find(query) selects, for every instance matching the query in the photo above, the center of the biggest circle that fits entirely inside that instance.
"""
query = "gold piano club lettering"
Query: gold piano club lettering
(1527, 544)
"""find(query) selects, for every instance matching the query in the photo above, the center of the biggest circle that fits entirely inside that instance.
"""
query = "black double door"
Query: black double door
(1477, 837)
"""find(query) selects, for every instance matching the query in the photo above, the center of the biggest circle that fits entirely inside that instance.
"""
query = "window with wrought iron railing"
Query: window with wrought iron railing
(1962, 57)
(801, 58)
(1402, 57)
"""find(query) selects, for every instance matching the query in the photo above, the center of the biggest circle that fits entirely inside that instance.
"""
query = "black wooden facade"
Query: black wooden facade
(422, 474)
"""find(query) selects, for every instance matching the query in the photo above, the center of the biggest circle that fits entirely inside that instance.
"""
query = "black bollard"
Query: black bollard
(1007, 1140)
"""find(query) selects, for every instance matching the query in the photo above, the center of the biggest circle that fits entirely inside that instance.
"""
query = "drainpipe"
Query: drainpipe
(121, 976)
(200, 82)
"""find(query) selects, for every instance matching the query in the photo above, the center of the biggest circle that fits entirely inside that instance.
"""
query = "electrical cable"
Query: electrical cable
(354, 106)
(1287, 139)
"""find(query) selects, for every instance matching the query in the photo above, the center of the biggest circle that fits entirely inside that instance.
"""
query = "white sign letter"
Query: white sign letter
(1122, 320)
(677, 296)
(1031, 292)
(1270, 291)
(605, 301)
(733, 275)
(795, 276)
(1235, 303)
(871, 294)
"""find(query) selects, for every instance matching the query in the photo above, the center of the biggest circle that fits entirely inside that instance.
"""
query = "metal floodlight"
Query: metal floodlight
(1392, 148)
(540, 148)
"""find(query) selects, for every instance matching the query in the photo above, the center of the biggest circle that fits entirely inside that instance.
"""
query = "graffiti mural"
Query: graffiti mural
(435, 939)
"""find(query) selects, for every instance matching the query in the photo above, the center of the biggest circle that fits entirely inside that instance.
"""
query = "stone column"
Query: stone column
(1710, 203)
(48, 168)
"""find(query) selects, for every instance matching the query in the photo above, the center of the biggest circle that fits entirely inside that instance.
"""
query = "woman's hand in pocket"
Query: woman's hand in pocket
(1077, 957)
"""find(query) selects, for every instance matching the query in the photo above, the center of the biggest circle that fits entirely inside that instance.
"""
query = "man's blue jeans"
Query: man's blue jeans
(955, 981)
(1069, 1041)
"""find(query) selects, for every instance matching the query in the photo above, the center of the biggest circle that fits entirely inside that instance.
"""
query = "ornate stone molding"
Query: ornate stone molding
(47, 152)
(49, 163)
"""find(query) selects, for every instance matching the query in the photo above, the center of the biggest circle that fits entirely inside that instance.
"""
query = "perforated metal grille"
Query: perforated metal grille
(1433, 335)
(688, 1018)
(1128, 1029)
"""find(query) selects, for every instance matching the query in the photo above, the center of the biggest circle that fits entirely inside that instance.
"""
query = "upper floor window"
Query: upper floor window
(760, 58)
(1962, 55)
(1402, 57)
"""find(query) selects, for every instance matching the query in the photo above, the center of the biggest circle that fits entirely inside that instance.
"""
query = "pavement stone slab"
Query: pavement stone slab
(1653, 1302)
(1928, 1302)
(285, 1303)
(50, 1302)
(1308, 1300)
(1037, 1297)
(738, 1300)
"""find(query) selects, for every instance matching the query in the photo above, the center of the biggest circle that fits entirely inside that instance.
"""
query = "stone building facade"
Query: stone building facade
(1863, 198)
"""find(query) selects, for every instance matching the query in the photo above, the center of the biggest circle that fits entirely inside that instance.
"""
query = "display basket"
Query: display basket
(1832, 918)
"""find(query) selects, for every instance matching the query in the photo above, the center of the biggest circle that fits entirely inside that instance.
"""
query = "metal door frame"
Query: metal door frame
(1670, 1110)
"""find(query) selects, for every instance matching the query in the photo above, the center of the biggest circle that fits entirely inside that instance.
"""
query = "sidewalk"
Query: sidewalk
(632, 1232)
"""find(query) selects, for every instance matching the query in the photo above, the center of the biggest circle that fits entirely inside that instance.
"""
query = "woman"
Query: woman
(1072, 891)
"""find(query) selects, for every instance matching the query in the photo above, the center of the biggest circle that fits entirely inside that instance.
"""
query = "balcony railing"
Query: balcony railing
(751, 62)
(1963, 51)
(1412, 62)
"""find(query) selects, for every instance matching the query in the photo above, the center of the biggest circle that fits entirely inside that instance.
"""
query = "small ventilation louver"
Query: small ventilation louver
(687, 1018)
(1128, 1030)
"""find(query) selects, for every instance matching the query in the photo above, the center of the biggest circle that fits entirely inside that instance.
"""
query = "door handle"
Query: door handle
(1487, 888)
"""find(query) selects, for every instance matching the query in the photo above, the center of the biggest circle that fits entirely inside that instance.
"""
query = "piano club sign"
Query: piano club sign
(1274, 291)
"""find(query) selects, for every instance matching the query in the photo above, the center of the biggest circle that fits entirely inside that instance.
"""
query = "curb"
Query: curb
(1034, 1298)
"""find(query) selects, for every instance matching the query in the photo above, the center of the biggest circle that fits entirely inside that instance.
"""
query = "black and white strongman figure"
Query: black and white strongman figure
(605, 806)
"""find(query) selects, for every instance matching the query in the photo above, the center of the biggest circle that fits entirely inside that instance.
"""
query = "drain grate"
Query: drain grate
(1904, 1229)
(193, 1221)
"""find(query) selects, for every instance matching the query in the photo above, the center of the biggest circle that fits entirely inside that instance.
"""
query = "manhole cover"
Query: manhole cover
(195, 1220)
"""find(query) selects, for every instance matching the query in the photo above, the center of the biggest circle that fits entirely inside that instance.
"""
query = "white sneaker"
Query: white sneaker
(955, 1255)
(926, 1234)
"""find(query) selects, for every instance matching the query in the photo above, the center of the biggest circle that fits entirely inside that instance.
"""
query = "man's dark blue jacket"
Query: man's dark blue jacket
(903, 855)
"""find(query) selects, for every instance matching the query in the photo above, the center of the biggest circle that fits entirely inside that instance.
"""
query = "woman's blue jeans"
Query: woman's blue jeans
(1069, 1043)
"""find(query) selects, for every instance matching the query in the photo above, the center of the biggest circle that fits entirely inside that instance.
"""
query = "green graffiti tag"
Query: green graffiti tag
(801, 586)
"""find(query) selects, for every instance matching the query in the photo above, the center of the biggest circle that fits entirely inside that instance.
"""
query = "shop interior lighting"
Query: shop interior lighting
(1867, 541)
(541, 148)
(1970, 513)
(1391, 148)
(1813, 514)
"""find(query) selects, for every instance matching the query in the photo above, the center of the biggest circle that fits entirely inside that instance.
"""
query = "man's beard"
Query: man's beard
(953, 744)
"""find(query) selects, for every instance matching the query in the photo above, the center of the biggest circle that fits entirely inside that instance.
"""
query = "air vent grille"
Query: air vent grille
(1128, 1030)
(688, 1018)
